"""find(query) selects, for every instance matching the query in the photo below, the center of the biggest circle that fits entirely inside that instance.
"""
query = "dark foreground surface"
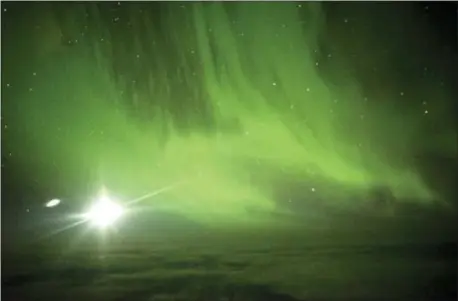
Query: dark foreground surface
(227, 266)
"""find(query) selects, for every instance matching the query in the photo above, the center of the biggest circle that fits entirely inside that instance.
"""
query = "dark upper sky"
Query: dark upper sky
(262, 105)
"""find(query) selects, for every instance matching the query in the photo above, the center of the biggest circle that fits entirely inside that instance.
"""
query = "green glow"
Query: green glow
(232, 108)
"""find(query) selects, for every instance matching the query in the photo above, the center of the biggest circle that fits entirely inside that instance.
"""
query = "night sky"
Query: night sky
(293, 116)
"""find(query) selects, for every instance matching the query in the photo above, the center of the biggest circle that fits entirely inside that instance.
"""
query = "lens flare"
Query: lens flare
(52, 203)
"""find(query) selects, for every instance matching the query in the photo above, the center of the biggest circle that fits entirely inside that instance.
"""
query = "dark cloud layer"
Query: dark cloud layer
(157, 270)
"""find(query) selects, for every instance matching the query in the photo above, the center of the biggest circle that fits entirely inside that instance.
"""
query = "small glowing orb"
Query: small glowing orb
(52, 203)
(104, 213)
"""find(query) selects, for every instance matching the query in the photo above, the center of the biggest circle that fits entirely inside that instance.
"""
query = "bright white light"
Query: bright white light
(104, 213)
(52, 203)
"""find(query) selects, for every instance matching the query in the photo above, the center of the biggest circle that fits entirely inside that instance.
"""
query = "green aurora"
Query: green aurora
(228, 102)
